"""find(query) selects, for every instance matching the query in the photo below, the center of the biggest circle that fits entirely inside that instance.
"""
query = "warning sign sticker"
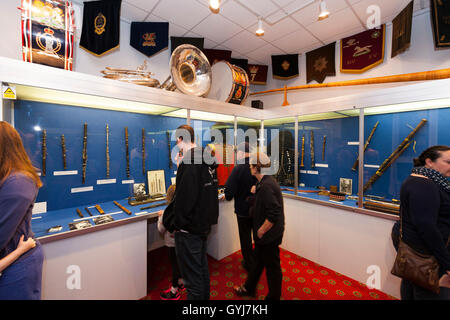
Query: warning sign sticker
(9, 92)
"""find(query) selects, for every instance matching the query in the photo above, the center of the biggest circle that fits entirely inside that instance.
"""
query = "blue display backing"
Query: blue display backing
(69, 120)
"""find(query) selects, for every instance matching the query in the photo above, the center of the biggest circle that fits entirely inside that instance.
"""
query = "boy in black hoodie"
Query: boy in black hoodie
(195, 209)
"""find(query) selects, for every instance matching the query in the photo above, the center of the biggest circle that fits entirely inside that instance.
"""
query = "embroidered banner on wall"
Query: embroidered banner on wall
(149, 38)
(215, 55)
(440, 15)
(285, 66)
(101, 26)
(401, 30)
(257, 73)
(178, 41)
(321, 63)
(362, 51)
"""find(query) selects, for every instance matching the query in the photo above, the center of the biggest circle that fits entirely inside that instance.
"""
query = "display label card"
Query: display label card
(322, 165)
(312, 172)
(376, 166)
(82, 189)
(65, 173)
(353, 143)
(40, 207)
(106, 181)
(127, 181)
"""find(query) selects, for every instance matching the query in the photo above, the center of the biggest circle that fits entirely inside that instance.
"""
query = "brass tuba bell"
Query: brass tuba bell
(190, 71)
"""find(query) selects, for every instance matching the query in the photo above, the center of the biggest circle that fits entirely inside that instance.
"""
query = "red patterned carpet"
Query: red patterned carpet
(302, 279)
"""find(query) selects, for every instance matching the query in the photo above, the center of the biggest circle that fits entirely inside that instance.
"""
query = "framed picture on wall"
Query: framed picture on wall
(156, 182)
(345, 186)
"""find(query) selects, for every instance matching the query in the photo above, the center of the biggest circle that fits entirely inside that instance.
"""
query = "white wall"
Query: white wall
(421, 56)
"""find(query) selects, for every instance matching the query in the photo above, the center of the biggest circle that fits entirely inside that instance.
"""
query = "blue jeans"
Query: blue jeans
(409, 291)
(193, 263)
(23, 279)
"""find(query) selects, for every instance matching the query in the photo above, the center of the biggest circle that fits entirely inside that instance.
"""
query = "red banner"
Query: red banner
(362, 51)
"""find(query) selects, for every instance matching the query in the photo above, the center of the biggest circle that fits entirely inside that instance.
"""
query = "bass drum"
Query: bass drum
(229, 83)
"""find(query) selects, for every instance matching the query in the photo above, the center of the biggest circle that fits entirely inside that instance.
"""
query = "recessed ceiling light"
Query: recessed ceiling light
(260, 31)
(214, 6)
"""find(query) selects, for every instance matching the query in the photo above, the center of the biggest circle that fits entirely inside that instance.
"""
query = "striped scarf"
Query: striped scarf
(434, 175)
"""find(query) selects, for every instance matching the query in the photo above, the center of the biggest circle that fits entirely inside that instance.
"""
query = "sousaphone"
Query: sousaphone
(190, 71)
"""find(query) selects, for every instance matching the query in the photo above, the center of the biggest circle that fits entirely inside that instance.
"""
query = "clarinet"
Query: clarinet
(44, 152)
(311, 146)
(127, 153)
(107, 151)
(323, 147)
(303, 151)
(84, 156)
(394, 155)
(355, 165)
(63, 146)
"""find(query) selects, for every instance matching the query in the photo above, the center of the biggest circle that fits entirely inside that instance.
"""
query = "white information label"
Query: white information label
(376, 166)
(127, 181)
(82, 189)
(353, 143)
(312, 172)
(39, 207)
(106, 181)
(322, 165)
(65, 173)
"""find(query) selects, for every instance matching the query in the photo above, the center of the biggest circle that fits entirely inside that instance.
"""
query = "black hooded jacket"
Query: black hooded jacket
(195, 205)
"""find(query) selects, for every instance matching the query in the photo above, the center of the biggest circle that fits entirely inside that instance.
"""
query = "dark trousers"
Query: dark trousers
(245, 226)
(409, 291)
(176, 275)
(267, 256)
(193, 263)
(22, 280)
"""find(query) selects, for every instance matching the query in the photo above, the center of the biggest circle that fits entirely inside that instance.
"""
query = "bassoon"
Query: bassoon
(83, 177)
(143, 151)
(355, 165)
(44, 152)
(63, 146)
(127, 153)
(107, 151)
(394, 155)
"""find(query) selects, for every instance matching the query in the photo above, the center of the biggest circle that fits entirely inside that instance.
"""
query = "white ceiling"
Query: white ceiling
(290, 26)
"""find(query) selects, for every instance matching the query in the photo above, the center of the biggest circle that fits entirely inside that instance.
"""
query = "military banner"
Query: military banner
(215, 55)
(47, 32)
(320, 63)
(178, 41)
(257, 73)
(149, 38)
(363, 51)
(401, 30)
(440, 15)
(100, 33)
(243, 63)
(285, 66)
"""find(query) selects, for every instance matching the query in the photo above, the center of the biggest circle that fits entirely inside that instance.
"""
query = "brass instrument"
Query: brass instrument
(323, 147)
(84, 156)
(44, 152)
(63, 146)
(107, 151)
(127, 152)
(143, 151)
(355, 165)
(394, 155)
(138, 76)
(311, 146)
(303, 151)
(190, 71)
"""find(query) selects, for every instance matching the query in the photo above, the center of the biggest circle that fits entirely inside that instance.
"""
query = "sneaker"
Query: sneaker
(242, 292)
(169, 295)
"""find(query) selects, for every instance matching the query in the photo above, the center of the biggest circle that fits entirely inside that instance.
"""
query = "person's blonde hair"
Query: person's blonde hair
(170, 193)
(13, 157)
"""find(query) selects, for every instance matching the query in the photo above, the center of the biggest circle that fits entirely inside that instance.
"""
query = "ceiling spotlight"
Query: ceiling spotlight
(324, 13)
(260, 31)
(214, 6)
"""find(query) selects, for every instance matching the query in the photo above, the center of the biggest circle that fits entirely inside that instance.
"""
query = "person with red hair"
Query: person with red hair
(19, 184)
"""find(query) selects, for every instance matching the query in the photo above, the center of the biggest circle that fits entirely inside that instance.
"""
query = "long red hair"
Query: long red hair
(13, 157)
